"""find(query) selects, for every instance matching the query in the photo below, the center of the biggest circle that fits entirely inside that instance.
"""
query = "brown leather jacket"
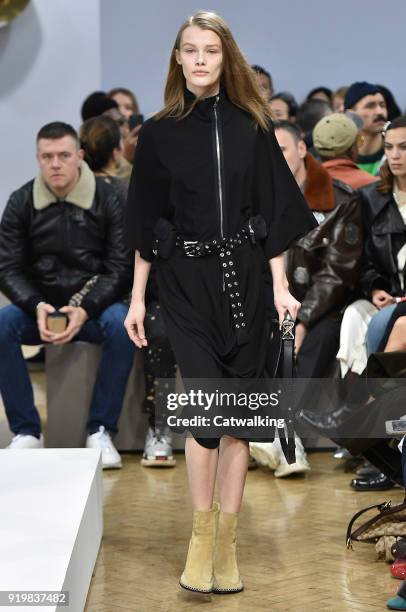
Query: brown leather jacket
(323, 267)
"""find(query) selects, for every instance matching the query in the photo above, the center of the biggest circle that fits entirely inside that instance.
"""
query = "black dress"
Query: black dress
(207, 174)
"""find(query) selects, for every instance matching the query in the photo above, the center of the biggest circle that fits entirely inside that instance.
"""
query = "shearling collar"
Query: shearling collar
(82, 194)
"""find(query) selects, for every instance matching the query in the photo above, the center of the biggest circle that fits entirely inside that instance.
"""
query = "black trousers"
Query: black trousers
(319, 349)
(159, 360)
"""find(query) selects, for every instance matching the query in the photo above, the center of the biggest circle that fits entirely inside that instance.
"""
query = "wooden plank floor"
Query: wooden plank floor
(291, 544)
(292, 553)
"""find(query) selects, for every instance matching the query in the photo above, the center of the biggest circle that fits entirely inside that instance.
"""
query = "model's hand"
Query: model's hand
(42, 312)
(134, 324)
(300, 335)
(129, 144)
(380, 298)
(285, 302)
(77, 317)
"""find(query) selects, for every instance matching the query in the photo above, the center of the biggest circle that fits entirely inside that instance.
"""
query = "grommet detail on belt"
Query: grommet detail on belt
(222, 247)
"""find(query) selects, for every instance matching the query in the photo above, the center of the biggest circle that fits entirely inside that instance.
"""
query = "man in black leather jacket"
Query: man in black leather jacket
(61, 248)
(323, 267)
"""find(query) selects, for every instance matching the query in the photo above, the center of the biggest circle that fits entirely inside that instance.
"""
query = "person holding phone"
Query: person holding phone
(212, 195)
(65, 269)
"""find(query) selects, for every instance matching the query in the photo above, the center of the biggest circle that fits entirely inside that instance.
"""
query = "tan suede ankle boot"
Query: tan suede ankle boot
(198, 572)
(226, 575)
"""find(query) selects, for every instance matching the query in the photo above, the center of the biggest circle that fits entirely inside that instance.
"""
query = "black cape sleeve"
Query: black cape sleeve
(277, 197)
(148, 194)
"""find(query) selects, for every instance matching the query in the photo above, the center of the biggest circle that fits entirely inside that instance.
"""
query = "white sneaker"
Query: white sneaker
(299, 467)
(21, 441)
(101, 440)
(266, 454)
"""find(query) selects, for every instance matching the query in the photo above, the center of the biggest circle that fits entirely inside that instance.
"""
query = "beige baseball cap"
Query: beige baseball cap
(334, 135)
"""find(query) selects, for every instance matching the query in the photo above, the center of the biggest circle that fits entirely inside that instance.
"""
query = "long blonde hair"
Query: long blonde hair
(237, 77)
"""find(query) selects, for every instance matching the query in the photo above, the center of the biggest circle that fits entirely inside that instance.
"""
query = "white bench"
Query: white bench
(51, 522)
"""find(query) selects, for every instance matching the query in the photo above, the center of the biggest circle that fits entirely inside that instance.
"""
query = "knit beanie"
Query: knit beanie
(359, 90)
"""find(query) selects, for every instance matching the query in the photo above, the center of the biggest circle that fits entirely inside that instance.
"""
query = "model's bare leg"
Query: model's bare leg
(397, 337)
(201, 466)
(232, 472)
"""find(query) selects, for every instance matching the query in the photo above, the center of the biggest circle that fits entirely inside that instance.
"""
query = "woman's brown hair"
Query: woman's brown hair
(237, 77)
(386, 184)
(126, 92)
(99, 137)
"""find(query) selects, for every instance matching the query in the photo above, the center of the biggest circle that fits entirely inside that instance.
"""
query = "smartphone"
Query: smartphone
(135, 120)
(57, 322)
(396, 428)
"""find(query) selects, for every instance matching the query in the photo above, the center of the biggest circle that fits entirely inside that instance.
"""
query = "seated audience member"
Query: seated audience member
(308, 115)
(99, 103)
(337, 100)
(320, 93)
(335, 140)
(369, 103)
(383, 263)
(322, 269)
(284, 106)
(100, 139)
(61, 249)
(264, 80)
(126, 100)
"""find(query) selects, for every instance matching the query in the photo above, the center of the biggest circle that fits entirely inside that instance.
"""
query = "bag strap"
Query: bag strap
(350, 536)
(288, 348)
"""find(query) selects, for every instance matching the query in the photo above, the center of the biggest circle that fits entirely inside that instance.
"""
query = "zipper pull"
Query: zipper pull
(216, 102)
(224, 283)
(251, 232)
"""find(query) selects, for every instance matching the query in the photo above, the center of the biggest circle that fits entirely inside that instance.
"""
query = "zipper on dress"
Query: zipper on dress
(218, 155)
(220, 187)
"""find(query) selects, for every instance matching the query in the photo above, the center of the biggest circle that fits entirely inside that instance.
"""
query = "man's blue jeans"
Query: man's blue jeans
(17, 328)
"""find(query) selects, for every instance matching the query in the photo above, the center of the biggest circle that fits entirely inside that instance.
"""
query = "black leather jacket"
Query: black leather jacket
(385, 234)
(48, 255)
(323, 267)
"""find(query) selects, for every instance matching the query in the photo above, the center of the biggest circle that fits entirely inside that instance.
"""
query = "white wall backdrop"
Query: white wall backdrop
(302, 43)
(49, 60)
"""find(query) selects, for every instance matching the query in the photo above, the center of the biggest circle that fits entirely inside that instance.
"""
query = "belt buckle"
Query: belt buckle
(188, 245)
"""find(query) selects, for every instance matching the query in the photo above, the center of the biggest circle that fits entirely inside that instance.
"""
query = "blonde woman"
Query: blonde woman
(207, 167)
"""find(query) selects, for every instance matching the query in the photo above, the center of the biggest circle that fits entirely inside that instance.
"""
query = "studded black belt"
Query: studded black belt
(225, 248)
